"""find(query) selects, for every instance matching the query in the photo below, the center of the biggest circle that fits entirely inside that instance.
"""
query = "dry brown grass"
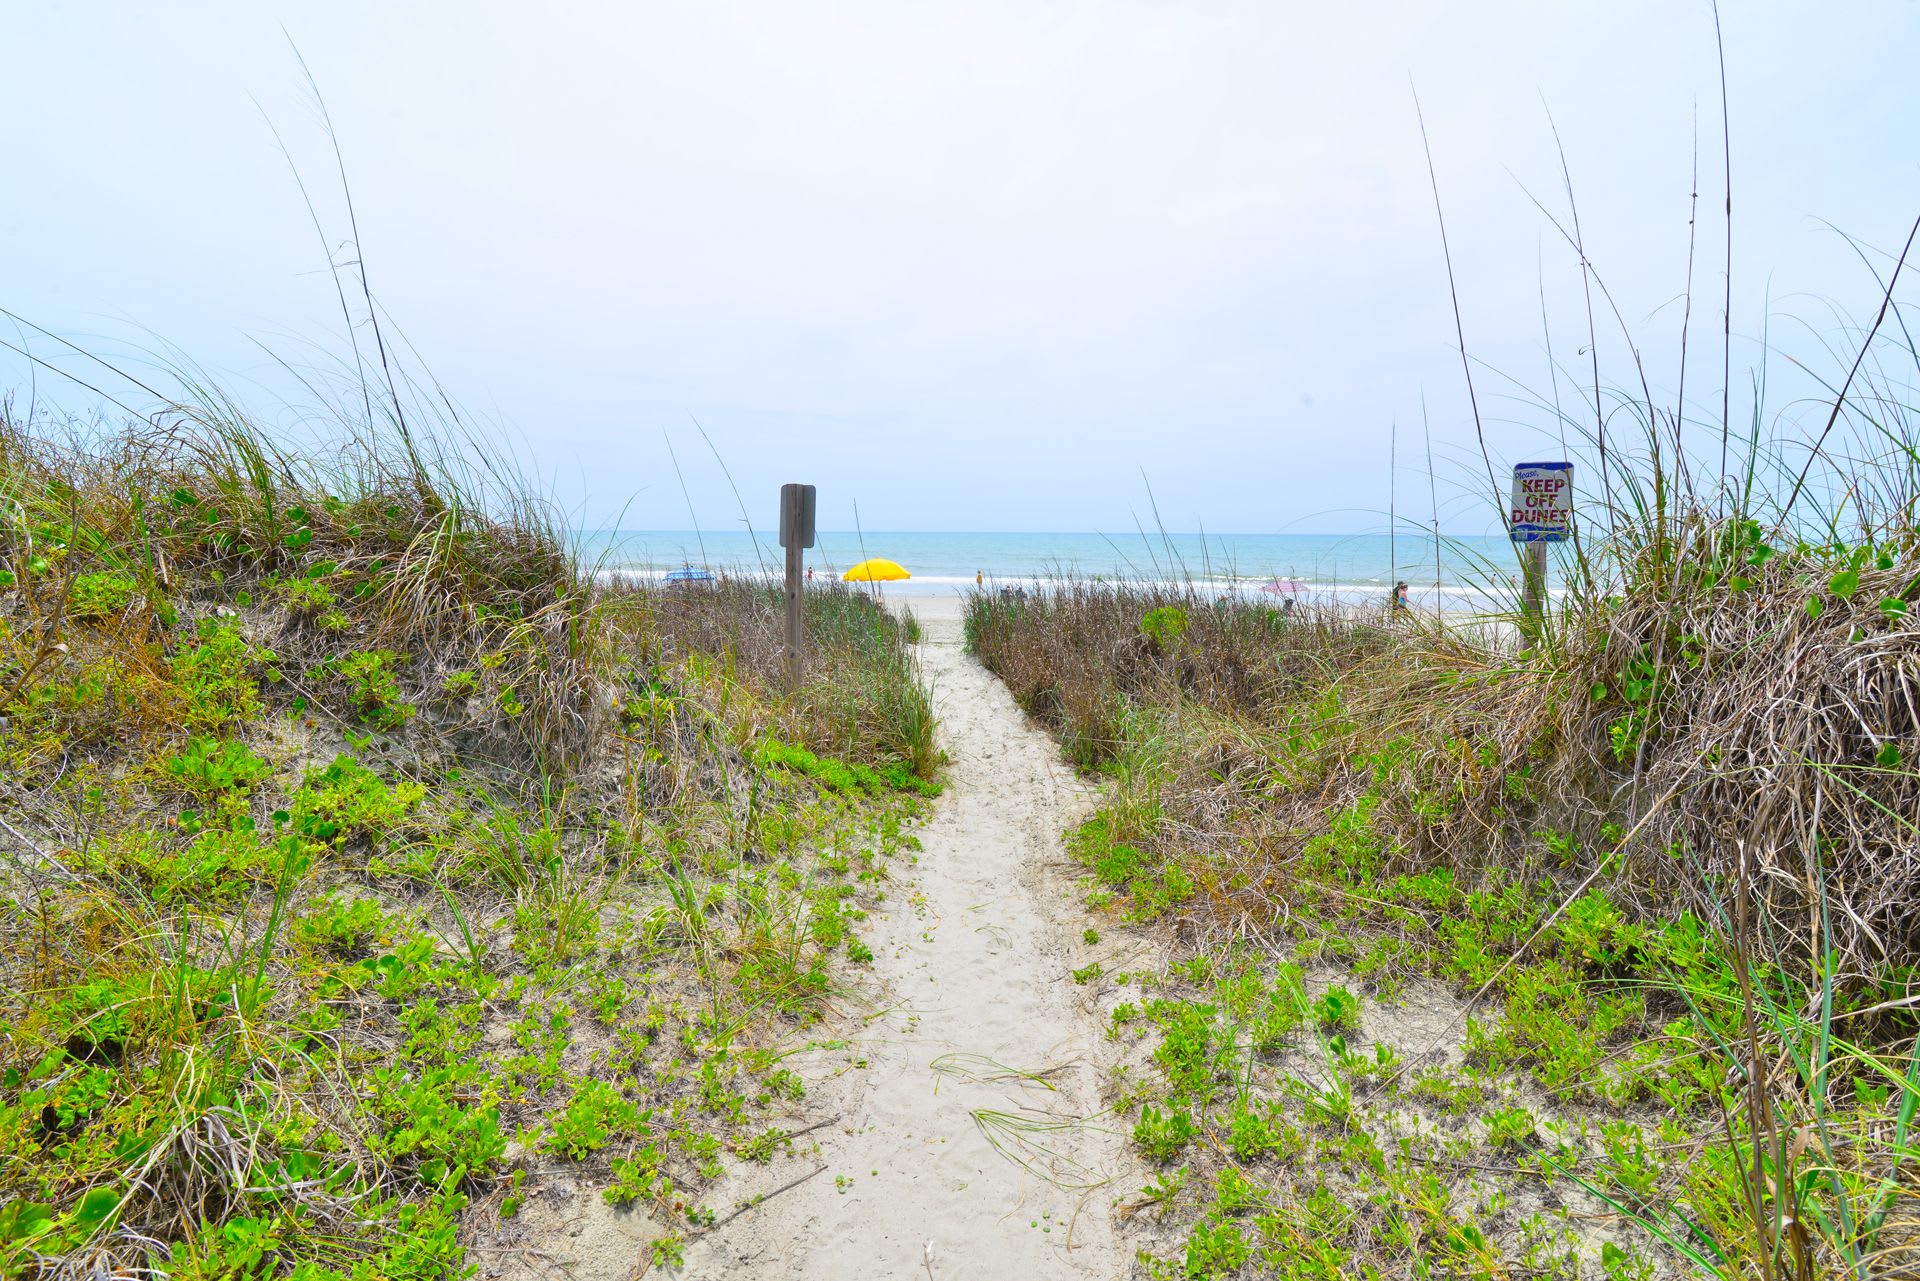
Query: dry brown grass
(1712, 722)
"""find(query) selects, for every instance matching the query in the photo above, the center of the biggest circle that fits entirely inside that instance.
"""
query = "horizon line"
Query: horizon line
(772, 531)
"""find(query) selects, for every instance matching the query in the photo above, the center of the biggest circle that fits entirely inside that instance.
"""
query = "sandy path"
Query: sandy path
(973, 951)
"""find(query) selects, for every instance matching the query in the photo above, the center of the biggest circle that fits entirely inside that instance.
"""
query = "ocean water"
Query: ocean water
(1472, 572)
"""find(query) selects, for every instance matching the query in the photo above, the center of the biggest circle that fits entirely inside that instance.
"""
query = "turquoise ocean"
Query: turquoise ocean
(1342, 567)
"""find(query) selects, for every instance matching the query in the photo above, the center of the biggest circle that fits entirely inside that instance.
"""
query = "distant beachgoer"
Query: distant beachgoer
(979, 577)
(1400, 605)
(809, 573)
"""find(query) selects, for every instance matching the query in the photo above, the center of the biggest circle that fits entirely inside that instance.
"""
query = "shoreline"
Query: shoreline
(1451, 602)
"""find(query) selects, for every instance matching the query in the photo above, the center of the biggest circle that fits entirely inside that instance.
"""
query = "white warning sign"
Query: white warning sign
(1542, 507)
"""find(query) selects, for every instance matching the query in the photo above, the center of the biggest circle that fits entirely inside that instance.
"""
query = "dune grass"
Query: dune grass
(365, 861)
(1307, 797)
(1655, 865)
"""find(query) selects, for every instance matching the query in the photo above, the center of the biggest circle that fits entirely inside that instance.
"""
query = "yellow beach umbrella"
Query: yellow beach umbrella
(877, 570)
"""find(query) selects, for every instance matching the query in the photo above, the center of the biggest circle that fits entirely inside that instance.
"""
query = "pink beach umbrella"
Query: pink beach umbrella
(1284, 587)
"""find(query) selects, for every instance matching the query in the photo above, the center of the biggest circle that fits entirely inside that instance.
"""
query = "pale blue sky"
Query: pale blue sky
(977, 265)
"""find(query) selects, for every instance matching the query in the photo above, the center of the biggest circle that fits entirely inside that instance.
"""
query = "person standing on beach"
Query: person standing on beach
(979, 577)
(1400, 598)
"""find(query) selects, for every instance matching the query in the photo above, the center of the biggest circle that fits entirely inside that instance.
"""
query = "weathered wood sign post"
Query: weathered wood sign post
(1541, 513)
(796, 535)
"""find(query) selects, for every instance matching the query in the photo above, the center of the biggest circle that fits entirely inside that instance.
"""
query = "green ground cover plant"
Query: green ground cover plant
(365, 858)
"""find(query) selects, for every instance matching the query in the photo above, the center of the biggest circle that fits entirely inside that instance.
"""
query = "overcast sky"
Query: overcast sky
(977, 265)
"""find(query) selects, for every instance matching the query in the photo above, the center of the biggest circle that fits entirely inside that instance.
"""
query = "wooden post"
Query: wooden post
(1533, 590)
(795, 558)
(796, 535)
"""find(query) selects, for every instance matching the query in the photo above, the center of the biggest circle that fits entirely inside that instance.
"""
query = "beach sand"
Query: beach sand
(923, 1174)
